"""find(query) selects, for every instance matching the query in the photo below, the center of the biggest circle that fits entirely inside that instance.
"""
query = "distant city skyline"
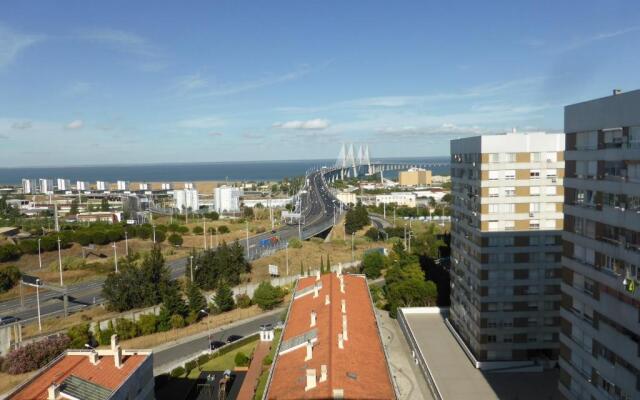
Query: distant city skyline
(139, 83)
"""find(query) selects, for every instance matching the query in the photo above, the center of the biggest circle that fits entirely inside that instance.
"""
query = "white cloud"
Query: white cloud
(312, 124)
(12, 43)
(201, 123)
(190, 83)
(75, 124)
(587, 40)
(21, 125)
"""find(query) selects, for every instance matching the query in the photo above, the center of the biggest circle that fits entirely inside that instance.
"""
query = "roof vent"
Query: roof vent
(616, 92)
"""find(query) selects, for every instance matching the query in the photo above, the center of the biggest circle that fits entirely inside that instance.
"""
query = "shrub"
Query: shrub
(183, 229)
(147, 324)
(35, 355)
(373, 234)
(203, 359)
(28, 246)
(177, 372)
(243, 300)
(241, 359)
(99, 237)
(176, 321)
(295, 243)
(222, 229)
(9, 277)
(83, 238)
(9, 252)
(190, 365)
(372, 264)
(175, 239)
(126, 329)
(79, 335)
(197, 230)
(160, 236)
(267, 360)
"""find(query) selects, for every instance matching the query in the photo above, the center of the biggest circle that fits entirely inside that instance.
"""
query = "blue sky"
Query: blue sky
(139, 82)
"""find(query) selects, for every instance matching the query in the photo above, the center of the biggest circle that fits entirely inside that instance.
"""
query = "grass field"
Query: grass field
(225, 361)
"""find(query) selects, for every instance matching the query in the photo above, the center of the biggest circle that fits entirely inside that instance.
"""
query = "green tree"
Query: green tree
(104, 204)
(373, 233)
(74, 207)
(195, 298)
(9, 277)
(327, 270)
(267, 297)
(126, 329)
(172, 300)
(224, 298)
(410, 293)
(177, 321)
(321, 265)
(175, 240)
(372, 264)
(197, 230)
(247, 212)
(222, 229)
(79, 336)
(428, 243)
(241, 359)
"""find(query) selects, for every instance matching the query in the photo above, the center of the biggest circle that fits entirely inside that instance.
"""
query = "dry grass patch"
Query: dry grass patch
(8, 382)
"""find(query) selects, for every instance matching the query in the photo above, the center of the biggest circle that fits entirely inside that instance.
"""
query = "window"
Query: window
(494, 157)
(509, 157)
(549, 224)
(493, 225)
(587, 140)
(508, 208)
(509, 174)
(551, 173)
(535, 157)
(494, 208)
(494, 175)
(509, 191)
(550, 190)
(549, 207)
(491, 338)
(534, 174)
(534, 224)
(550, 156)
(509, 225)
(534, 191)
(534, 207)
(494, 192)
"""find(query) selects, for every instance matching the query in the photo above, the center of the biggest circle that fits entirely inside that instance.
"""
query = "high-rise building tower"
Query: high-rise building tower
(600, 309)
(506, 245)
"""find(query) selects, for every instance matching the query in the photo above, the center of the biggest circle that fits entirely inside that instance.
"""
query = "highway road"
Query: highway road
(318, 208)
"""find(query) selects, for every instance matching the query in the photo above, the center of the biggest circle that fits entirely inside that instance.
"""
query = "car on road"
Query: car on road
(266, 327)
(7, 320)
(233, 338)
(216, 344)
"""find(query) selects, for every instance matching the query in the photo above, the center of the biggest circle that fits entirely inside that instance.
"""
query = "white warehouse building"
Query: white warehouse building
(186, 199)
(400, 198)
(227, 199)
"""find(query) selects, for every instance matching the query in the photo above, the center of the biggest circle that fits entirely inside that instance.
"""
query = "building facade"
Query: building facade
(227, 199)
(506, 245)
(186, 199)
(600, 309)
(414, 177)
(45, 186)
(63, 184)
(407, 199)
(29, 186)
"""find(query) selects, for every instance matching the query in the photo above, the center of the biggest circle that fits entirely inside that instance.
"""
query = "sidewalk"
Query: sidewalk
(253, 374)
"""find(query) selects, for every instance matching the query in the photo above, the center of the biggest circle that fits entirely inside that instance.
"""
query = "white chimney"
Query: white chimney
(317, 275)
(327, 300)
(340, 341)
(339, 269)
(309, 351)
(344, 306)
(314, 317)
(116, 350)
(53, 392)
(344, 328)
(323, 372)
(341, 284)
(311, 379)
(93, 357)
(315, 291)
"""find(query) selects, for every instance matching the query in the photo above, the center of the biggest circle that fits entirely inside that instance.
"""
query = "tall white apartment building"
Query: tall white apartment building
(227, 199)
(506, 245)
(102, 186)
(82, 185)
(63, 184)
(166, 186)
(122, 185)
(29, 186)
(186, 199)
(143, 186)
(600, 309)
(45, 185)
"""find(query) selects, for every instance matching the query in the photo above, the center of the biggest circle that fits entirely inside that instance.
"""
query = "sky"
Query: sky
(123, 82)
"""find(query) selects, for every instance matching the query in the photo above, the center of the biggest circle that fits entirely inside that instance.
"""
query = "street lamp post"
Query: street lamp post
(204, 232)
(286, 255)
(208, 327)
(38, 302)
(191, 260)
(60, 262)
(39, 254)
(247, 239)
(154, 233)
(115, 255)
(126, 244)
(353, 236)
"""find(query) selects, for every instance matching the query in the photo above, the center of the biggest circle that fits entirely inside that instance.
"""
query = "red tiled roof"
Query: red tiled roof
(104, 374)
(359, 369)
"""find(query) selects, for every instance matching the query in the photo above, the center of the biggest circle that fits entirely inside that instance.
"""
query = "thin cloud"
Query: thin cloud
(76, 124)
(127, 42)
(13, 43)
(22, 125)
(312, 124)
(201, 123)
(588, 40)
(79, 88)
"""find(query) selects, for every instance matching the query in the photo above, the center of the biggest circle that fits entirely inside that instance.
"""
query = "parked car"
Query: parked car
(216, 344)
(233, 338)
(8, 320)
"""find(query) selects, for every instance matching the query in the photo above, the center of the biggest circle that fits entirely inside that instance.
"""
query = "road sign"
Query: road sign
(273, 270)
(31, 280)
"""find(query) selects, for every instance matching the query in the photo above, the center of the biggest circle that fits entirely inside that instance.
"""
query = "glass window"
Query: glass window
(534, 207)
(551, 156)
(494, 192)
(534, 191)
(534, 174)
(550, 190)
(535, 157)
(551, 173)
(534, 224)
(494, 157)
(509, 157)
(494, 175)
(493, 225)
(509, 174)
(509, 225)
(509, 191)
(494, 208)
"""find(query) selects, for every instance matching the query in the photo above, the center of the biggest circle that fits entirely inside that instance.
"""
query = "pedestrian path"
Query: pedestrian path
(253, 374)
